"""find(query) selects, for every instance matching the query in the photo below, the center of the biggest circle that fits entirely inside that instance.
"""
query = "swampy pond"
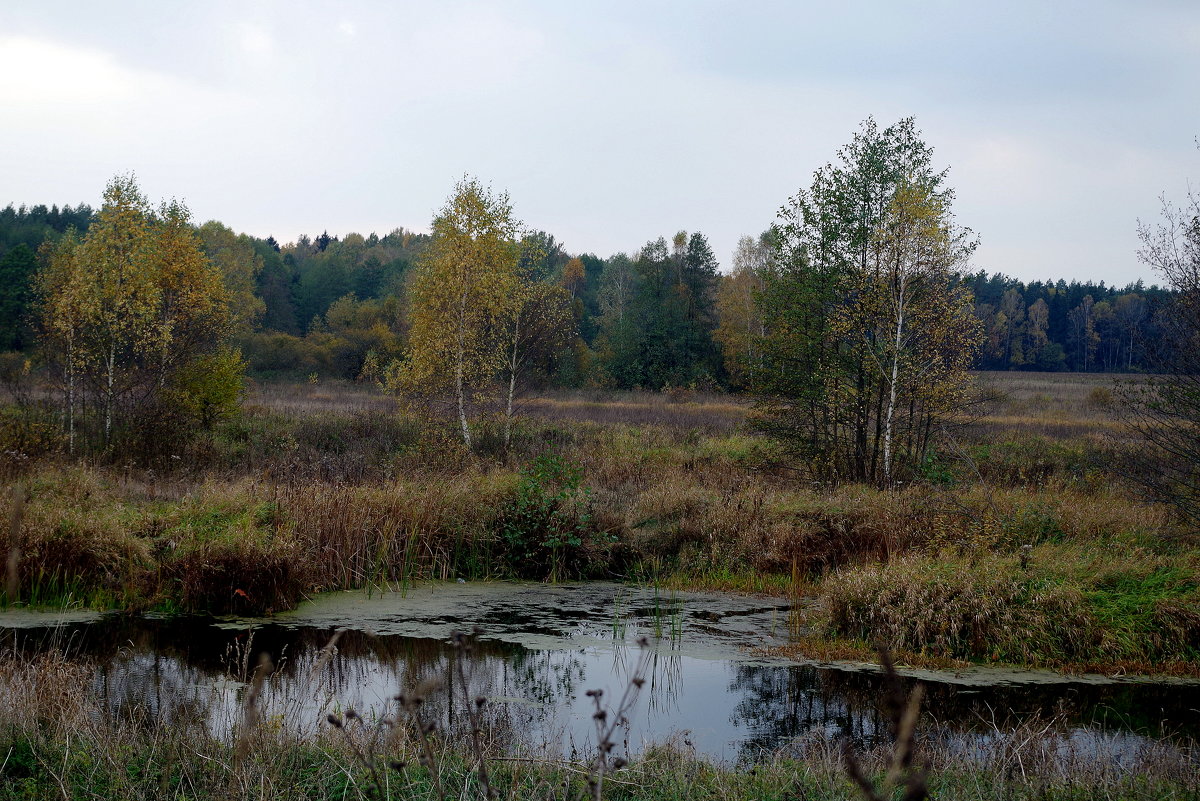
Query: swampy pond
(541, 647)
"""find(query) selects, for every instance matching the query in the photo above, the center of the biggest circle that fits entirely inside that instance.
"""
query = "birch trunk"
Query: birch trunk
(459, 367)
(70, 398)
(111, 367)
(891, 404)
(512, 382)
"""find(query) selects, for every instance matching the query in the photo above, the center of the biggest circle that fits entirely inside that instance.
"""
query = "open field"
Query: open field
(1052, 405)
(678, 409)
(326, 486)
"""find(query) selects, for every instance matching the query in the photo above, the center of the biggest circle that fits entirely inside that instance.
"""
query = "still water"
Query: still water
(540, 648)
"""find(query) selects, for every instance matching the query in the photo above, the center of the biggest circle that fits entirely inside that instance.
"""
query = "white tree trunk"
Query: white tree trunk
(891, 404)
(512, 382)
(71, 398)
(459, 372)
(110, 379)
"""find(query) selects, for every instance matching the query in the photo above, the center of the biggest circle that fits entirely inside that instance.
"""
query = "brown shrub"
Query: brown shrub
(954, 609)
(240, 577)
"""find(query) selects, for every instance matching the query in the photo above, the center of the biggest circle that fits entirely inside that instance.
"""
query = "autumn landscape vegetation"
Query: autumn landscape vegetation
(963, 468)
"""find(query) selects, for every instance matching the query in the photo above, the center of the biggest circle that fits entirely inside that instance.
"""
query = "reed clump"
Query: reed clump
(1050, 606)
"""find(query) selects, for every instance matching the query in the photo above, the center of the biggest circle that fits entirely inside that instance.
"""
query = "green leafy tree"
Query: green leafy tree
(658, 315)
(210, 386)
(274, 285)
(868, 333)
(240, 265)
(17, 269)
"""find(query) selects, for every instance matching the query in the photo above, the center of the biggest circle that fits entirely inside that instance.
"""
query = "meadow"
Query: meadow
(1017, 530)
(1016, 543)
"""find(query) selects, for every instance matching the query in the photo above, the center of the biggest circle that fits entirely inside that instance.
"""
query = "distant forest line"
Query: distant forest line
(334, 307)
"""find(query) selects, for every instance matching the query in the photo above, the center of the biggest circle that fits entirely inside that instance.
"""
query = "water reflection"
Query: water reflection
(192, 671)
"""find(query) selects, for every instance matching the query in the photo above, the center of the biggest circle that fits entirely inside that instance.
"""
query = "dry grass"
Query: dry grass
(677, 408)
(326, 486)
(1059, 406)
(712, 507)
(681, 409)
(1055, 605)
(324, 397)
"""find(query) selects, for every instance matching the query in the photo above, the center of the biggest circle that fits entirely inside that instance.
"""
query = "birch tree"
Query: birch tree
(539, 323)
(913, 318)
(60, 285)
(740, 327)
(461, 296)
(128, 306)
(119, 295)
(868, 335)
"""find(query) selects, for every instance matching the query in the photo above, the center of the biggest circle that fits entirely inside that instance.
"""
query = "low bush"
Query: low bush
(946, 607)
(28, 434)
(546, 528)
(1034, 460)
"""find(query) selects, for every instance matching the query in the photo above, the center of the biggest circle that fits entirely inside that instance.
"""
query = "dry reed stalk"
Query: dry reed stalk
(902, 714)
(250, 711)
(410, 705)
(607, 721)
(464, 644)
(327, 652)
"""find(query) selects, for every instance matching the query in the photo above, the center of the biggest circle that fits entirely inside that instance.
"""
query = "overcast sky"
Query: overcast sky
(609, 123)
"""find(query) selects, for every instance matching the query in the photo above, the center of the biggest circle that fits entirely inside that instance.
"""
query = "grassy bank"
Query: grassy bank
(1068, 606)
(149, 767)
(1028, 548)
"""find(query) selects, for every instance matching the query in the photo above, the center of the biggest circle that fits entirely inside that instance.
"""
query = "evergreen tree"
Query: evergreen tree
(17, 269)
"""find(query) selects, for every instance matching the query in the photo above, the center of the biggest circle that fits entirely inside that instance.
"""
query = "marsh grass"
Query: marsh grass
(329, 486)
(1067, 606)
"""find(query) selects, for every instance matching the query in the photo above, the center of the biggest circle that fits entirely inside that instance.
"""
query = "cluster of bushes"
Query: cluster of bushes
(351, 341)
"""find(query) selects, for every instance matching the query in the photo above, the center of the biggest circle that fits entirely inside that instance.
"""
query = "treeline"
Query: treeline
(22, 231)
(661, 316)
(1083, 327)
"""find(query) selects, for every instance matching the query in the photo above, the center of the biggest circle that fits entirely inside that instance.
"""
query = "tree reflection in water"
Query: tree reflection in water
(192, 672)
(781, 705)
